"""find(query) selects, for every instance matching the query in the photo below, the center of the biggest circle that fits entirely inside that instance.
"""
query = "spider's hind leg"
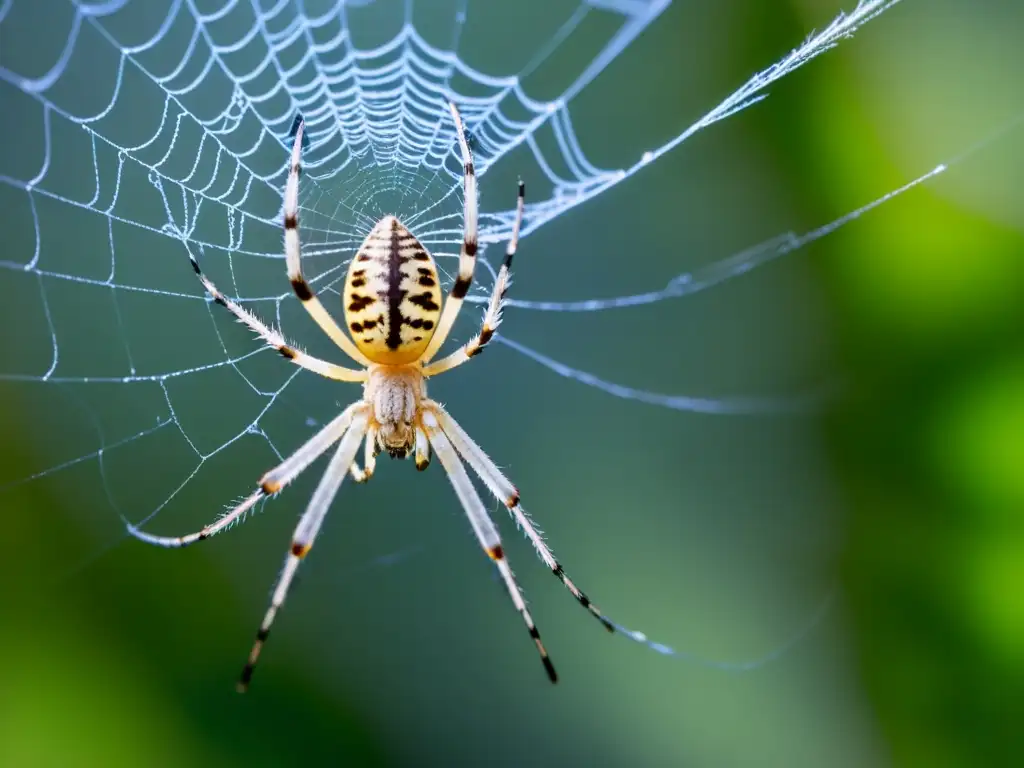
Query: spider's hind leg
(506, 492)
(308, 527)
(483, 527)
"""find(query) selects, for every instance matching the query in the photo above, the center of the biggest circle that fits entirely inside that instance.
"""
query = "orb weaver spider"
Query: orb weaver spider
(392, 303)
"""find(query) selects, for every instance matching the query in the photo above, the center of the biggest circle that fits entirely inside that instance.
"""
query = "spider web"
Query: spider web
(188, 146)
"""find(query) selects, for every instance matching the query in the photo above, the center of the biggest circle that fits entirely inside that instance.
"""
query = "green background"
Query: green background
(897, 506)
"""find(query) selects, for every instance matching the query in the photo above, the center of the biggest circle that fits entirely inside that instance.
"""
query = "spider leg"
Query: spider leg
(273, 337)
(272, 482)
(369, 460)
(483, 527)
(492, 317)
(503, 489)
(422, 449)
(467, 255)
(306, 532)
(293, 258)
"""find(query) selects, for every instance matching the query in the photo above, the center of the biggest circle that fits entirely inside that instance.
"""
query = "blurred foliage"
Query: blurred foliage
(929, 298)
(85, 685)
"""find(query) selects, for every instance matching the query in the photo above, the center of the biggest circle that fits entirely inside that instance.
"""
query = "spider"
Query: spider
(392, 303)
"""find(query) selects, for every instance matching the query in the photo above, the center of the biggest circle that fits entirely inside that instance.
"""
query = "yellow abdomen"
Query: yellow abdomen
(392, 296)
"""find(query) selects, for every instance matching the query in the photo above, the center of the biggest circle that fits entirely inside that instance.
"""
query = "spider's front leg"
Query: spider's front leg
(492, 316)
(293, 258)
(273, 337)
(467, 254)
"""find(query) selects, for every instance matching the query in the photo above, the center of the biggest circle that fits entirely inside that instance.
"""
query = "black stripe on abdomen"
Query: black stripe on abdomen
(395, 294)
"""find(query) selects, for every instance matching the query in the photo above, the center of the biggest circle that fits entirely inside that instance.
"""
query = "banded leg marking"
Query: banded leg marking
(503, 489)
(274, 338)
(225, 521)
(293, 258)
(484, 528)
(305, 534)
(467, 254)
(271, 483)
(492, 316)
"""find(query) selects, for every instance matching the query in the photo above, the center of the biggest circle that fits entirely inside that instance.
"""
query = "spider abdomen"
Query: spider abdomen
(392, 295)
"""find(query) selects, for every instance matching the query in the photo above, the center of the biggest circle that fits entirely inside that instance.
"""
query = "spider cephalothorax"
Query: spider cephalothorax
(395, 393)
(393, 308)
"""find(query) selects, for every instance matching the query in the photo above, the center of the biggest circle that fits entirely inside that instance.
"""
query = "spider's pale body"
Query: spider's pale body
(395, 391)
(392, 302)
(393, 308)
